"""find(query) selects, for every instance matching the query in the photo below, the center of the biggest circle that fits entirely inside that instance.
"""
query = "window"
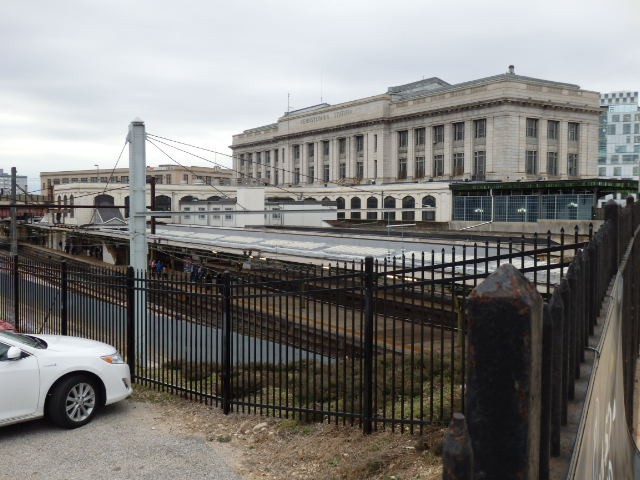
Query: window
(574, 132)
(611, 129)
(359, 143)
(402, 168)
(572, 164)
(311, 150)
(65, 180)
(479, 165)
(185, 178)
(615, 158)
(360, 170)
(296, 152)
(480, 128)
(626, 129)
(615, 118)
(85, 179)
(438, 165)
(342, 173)
(275, 156)
(531, 166)
(375, 143)
(458, 164)
(636, 128)
(552, 163)
(458, 132)
(532, 127)
(296, 175)
(325, 148)
(93, 180)
(420, 135)
(402, 139)
(342, 146)
(621, 148)
(626, 117)
(312, 174)
(553, 128)
(56, 181)
(438, 134)
(617, 171)
(602, 171)
(74, 180)
(419, 167)
(267, 156)
(325, 173)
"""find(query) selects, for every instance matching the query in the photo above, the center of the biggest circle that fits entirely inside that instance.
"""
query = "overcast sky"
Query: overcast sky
(74, 73)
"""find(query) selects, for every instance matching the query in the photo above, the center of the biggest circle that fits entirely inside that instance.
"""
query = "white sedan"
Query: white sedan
(63, 378)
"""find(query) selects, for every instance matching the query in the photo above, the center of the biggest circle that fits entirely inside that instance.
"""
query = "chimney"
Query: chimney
(511, 70)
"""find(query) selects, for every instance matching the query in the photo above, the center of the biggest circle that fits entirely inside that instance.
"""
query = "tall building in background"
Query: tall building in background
(619, 149)
(5, 183)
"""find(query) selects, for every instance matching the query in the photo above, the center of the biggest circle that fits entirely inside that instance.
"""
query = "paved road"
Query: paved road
(128, 440)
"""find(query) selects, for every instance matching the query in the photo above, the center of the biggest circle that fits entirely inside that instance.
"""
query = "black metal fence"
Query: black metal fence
(380, 344)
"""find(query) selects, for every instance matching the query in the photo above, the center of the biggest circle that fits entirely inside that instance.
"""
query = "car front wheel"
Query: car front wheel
(73, 402)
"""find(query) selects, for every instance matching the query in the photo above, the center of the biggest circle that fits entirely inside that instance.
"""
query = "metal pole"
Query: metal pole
(14, 215)
(367, 395)
(137, 204)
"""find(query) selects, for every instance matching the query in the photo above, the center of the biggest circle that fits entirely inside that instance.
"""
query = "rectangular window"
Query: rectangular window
(636, 128)
(65, 180)
(296, 175)
(185, 178)
(420, 135)
(626, 129)
(480, 128)
(458, 164)
(617, 171)
(438, 165)
(458, 132)
(626, 117)
(360, 170)
(615, 158)
(572, 164)
(479, 165)
(438, 134)
(602, 171)
(74, 180)
(611, 129)
(342, 146)
(85, 179)
(342, 170)
(312, 174)
(402, 168)
(267, 156)
(419, 167)
(532, 127)
(615, 118)
(553, 128)
(552, 163)
(325, 173)
(275, 156)
(402, 139)
(375, 143)
(531, 166)
(325, 148)
(574, 132)
(311, 150)
(359, 143)
(296, 152)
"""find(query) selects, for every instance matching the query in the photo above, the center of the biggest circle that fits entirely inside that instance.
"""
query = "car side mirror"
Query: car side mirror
(14, 353)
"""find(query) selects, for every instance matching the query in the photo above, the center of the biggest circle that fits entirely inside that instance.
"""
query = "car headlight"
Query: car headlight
(113, 358)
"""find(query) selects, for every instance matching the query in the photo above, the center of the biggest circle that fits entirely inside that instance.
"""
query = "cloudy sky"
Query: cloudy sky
(74, 73)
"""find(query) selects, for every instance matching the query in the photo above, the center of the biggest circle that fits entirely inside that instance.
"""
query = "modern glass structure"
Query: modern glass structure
(619, 143)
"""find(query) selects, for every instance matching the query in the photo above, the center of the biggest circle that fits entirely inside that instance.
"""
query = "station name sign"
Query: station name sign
(326, 116)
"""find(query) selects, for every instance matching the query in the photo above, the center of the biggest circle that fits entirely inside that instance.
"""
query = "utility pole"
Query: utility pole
(14, 215)
(137, 187)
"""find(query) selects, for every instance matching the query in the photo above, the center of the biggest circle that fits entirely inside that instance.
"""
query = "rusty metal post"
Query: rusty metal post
(457, 454)
(547, 386)
(504, 366)
(557, 392)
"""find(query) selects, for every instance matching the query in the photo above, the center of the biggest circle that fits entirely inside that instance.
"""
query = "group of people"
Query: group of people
(197, 273)
(157, 268)
(89, 250)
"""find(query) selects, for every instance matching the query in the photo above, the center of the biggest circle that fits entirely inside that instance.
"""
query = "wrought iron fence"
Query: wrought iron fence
(376, 343)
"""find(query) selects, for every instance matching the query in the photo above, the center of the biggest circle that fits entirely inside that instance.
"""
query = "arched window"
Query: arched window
(163, 203)
(389, 206)
(356, 204)
(64, 202)
(372, 207)
(188, 198)
(214, 198)
(408, 204)
(71, 210)
(103, 201)
(340, 204)
(428, 209)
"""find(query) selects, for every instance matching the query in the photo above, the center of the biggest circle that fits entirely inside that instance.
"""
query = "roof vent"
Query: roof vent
(512, 69)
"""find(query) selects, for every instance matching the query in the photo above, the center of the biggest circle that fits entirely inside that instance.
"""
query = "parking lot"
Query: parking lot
(129, 440)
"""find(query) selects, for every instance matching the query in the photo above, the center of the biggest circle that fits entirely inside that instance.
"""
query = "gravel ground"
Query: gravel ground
(128, 440)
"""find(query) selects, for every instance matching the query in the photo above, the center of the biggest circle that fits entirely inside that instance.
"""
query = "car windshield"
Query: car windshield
(28, 340)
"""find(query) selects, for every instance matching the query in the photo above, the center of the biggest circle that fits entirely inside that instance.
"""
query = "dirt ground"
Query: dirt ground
(271, 448)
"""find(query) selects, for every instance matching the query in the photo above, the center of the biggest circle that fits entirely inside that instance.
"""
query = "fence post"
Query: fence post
(226, 342)
(504, 367)
(558, 394)
(547, 386)
(131, 322)
(64, 318)
(612, 214)
(367, 394)
(16, 293)
(457, 454)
